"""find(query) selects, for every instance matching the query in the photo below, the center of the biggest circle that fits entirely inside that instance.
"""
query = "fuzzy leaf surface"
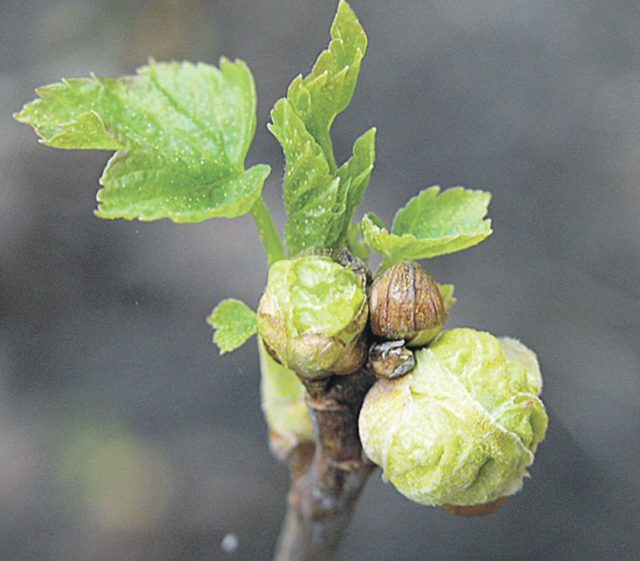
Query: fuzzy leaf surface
(432, 223)
(327, 91)
(310, 190)
(181, 131)
(354, 176)
(234, 323)
(319, 197)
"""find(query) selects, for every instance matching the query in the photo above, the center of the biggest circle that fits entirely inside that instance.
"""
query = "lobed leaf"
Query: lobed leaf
(234, 323)
(181, 131)
(328, 89)
(319, 197)
(432, 223)
(310, 190)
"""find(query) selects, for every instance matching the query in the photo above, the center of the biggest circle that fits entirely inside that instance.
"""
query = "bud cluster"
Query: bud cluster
(454, 418)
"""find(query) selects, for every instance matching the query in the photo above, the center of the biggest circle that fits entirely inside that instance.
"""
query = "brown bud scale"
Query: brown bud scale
(390, 359)
(405, 301)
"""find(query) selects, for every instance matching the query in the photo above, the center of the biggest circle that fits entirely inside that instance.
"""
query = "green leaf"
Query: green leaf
(319, 197)
(310, 190)
(431, 224)
(234, 323)
(355, 245)
(182, 132)
(355, 174)
(327, 90)
(447, 291)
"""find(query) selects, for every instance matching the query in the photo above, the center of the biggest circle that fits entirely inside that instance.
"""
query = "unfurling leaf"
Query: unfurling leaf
(234, 323)
(321, 198)
(310, 190)
(448, 296)
(432, 223)
(355, 244)
(181, 131)
(327, 91)
(355, 174)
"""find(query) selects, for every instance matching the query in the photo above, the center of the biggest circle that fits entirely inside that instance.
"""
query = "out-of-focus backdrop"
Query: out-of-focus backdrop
(125, 436)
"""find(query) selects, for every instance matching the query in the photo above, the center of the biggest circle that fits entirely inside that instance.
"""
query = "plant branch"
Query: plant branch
(268, 232)
(325, 485)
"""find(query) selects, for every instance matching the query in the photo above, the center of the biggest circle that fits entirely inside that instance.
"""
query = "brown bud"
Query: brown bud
(406, 303)
(390, 359)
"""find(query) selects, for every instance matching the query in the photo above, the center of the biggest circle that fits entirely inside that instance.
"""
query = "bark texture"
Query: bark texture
(326, 477)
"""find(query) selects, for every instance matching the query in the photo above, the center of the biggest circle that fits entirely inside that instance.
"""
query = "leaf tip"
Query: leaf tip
(344, 10)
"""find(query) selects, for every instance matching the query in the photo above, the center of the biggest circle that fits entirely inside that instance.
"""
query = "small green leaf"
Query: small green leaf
(310, 190)
(355, 245)
(355, 174)
(433, 214)
(182, 132)
(327, 90)
(447, 291)
(234, 323)
(320, 198)
(431, 224)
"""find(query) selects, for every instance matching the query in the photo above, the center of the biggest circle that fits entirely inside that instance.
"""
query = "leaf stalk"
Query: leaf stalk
(269, 234)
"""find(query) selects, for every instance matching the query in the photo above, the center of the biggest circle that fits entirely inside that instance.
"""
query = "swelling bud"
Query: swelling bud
(312, 316)
(462, 427)
(406, 303)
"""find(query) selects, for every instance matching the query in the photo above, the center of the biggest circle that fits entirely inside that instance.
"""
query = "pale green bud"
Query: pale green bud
(312, 316)
(461, 428)
(283, 405)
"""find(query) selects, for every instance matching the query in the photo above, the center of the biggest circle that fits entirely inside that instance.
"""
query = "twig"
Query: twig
(326, 480)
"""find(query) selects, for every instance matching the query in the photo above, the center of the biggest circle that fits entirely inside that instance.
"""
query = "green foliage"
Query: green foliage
(355, 244)
(327, 91)
(462, 426)
(181, 131)
(448, 296)
(354, 177)
(234, 323)
(431, 224)
(310, 190)
(320, 198)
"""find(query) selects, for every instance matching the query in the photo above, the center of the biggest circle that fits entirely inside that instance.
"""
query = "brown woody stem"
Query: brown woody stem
(326, 479)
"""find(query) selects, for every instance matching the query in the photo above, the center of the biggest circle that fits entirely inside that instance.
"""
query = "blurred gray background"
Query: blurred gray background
(125, 436)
